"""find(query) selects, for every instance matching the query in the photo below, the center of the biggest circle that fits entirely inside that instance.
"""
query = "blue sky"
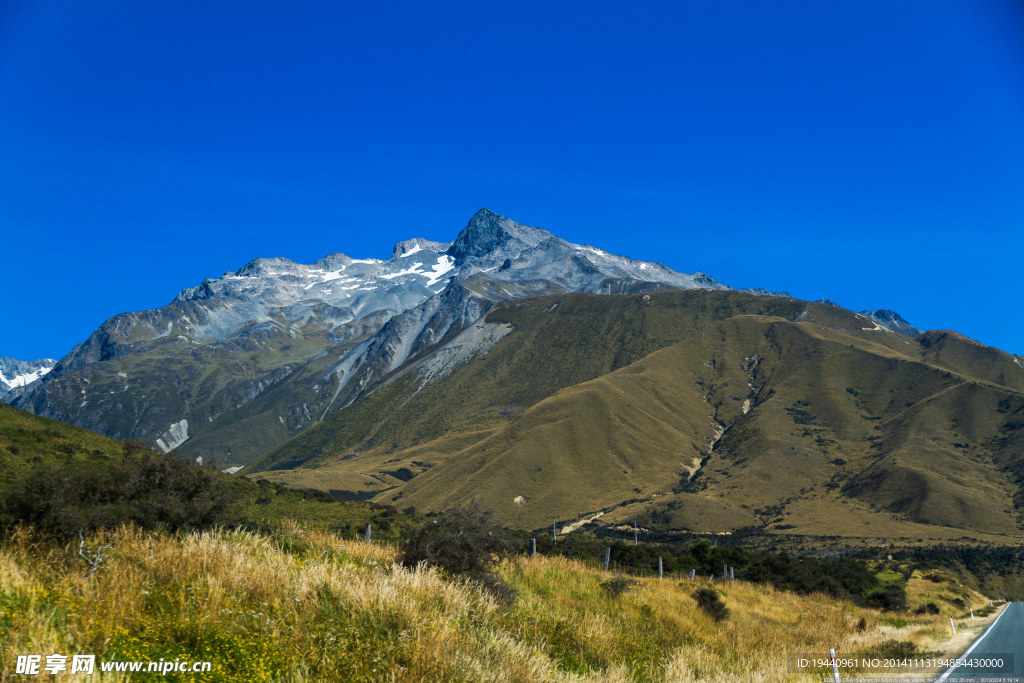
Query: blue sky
(870, 152)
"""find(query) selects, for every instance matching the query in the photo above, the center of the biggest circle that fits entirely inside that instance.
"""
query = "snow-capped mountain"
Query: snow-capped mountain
(17, 374)
(892, 320)
(234, 366)
(275, 290)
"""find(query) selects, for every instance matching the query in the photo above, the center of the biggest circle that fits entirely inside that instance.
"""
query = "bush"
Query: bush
(709, 601)
(617, 585)
(132, 447)
(463, 542)
(897, 649)
(891, 598)
(149, 490)
(930, 608)
(842, 577)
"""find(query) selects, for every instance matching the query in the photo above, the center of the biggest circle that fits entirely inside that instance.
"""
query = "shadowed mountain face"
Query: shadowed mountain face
(701, 410)
(239, 364)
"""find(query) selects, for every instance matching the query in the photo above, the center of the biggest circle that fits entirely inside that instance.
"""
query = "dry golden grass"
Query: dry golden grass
(309, 605)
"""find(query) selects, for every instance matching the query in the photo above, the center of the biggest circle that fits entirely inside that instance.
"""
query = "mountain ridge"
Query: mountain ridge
(366, 315)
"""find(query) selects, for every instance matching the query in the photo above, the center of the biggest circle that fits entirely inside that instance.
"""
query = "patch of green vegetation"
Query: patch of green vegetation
(104, 482)
(709, 600)
(168, 631)
(28, 441)
(895, 649)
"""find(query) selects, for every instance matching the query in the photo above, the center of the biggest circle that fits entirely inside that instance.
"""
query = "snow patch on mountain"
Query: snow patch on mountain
(18, 374)
(414, 270)
(175, 435)
(445, 264)
(22, 379)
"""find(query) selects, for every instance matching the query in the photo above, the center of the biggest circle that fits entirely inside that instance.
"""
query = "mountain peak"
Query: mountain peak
(416, 245)
(483, 214)
(491, 233)
(892, 320)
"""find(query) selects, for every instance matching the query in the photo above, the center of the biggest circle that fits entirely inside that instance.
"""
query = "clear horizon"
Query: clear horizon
(866, 153)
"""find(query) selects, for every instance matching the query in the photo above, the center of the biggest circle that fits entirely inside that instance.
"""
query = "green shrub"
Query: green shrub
(617, 585)
(709, 601)
(463, 542)
(892, 598)
(896, 649)
(149, 490)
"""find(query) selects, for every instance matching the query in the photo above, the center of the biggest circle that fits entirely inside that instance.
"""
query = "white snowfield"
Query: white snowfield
(17, 374)
(175, 435)
(23, 379)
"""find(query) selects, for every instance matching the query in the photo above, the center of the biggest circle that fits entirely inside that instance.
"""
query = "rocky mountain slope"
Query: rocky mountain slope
(237, 365)
(701, 411)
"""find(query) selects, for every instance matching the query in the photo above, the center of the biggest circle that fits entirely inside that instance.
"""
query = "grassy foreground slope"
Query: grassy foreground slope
(311, 605)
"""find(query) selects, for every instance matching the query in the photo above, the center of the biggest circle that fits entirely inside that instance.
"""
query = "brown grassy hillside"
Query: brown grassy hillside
(814, 421)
